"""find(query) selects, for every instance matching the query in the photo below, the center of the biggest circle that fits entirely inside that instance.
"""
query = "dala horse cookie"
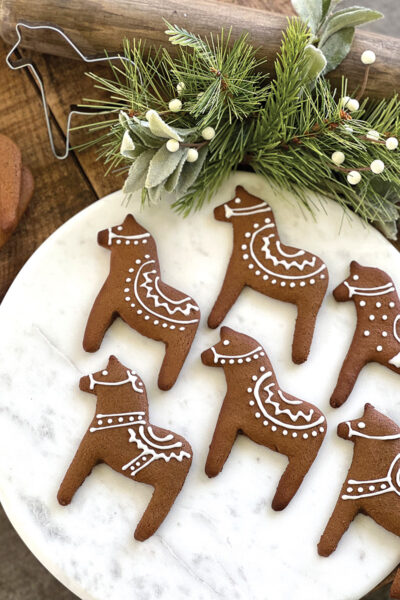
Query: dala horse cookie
(122, 436)
(259, 260)
(372, 485)
(256, 406)
(377, 334)
(135, 292)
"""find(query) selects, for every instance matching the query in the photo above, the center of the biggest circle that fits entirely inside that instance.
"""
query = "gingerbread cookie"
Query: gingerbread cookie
(372, 485)
(377, 334)
(135, 292)
(256, 406)
(260, 261)
(122, 436)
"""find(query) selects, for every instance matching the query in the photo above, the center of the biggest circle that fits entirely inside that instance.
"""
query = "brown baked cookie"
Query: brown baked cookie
(135, 292)
(372, 485)
(27, 187)
(10, 182)
(122, 436)
(256, 406)
(260, 261)
(377, 334)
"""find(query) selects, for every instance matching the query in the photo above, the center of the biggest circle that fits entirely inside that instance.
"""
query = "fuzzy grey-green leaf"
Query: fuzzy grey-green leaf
(173, 179)
(190, 172)
(162, 165)
(348, 17)
(337, 47)
(315, 63)
(310, 11)
(160, 127)
(137, 173)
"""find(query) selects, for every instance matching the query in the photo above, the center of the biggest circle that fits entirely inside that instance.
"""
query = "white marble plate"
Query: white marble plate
(221, 540)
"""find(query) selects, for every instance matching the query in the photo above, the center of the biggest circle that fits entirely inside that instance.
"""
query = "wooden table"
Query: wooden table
(80, 177)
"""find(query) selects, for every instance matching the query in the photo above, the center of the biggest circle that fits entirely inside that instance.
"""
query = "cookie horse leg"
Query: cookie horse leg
(163, 497)
(175, 355)
(228, 295)
(352, 365)
(101, 317)
(307, 313)
(289, 483)
(84, 460)
(344, 513)
(223, 439)
(395, 589)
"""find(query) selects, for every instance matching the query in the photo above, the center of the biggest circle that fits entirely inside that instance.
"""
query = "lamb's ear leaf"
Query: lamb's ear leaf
(326, 4)
(162, 165)
(337, 47)
(310, 11)
(154, 193)
(348, 17)
(144, 136)
(138, 172)
(160, 127)
(315, 63)
(173, 179)
(190, 172)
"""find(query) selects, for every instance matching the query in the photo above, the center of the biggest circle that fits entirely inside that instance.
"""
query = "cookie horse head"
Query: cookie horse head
(122, 436)
(372, 485)
(377, 334)
(256, 406)
(135, 292)
(261, 261)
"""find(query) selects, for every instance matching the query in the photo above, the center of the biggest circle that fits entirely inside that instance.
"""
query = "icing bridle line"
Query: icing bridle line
(235, 357)
(131, 378)
(395, 436)
(369, 291)
(246, 210)
(112, 235)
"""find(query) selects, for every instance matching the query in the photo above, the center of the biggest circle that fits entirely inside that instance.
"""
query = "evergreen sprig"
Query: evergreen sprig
(285, 128)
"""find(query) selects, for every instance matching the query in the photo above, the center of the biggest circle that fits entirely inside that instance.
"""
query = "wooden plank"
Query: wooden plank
(61, 188)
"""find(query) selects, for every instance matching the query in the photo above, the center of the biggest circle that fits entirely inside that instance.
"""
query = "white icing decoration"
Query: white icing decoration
(130, 420)
(285, 263)
(118, 237)
(369, 291)
(395, 360)
(246, 210)
(390, 483)
(130, 378)
(395, 436)
(396, 335)
(234, 357)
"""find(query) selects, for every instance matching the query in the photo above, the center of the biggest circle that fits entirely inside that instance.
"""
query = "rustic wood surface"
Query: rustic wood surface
(81, 178)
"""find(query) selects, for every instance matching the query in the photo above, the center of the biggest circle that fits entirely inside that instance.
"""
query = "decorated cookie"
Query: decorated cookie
(377, 334)
(372, 485)
(256, 406)
(135, 292)
(122, 436)
(260, 261)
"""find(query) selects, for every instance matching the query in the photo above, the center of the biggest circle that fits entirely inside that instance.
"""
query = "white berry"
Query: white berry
(338, 157)
(373, 135)
(348, 129)
(175, 105)
(352, 105)
(344, 100)
(172, 145)
(180, 87)
(392, 143)
(354, 177)
(368, 57)
(192, 155)
(208, 133)
(377, 166)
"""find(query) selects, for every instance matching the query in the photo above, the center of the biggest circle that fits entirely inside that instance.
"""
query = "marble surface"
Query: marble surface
(221, 539)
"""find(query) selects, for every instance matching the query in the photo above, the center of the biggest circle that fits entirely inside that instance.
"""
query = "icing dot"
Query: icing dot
(371, 488)
(144, 242)
(244, 246)
(127, 242)
(165, 325)
(257, 415)
(126, 290)
(360, 489)
(147, 255)
(322, 276)
(284, 432)
(109, 420)
(254, 377)
(247, 234)
(273, 281)
(100, 422)
(172, 326)
(305, 435)
(181, 329)
(118, 242)
(139, 311)
(349, 489)
(127, 298)
(138, 261)
(258, 272)
(248, 359)
(384, 317)
(237, 200)
(255, 356)
(156, 322)
(379, 348)
(131, 270)
(119, 228)
(144, 458)
(283, 283)
(302, 283)
(256, 225)
(251, 266)
(361, 425)
(366, 333)
(131, 419)
(262, 369)
(245, 256)
(273, 428)
(223, 361)
(231, 361)
(135, 242)
(262, 353)
(321, 429)
(312, 281)
(226, 342)
(292, 284)
(240, 360)
(265, 423)
(138, 464)
(362, 303)
(128, 280)
(265, 277)
(383, 486)
(378, 304)
(384, 333)
(314, 434)
(146, 318)
(249, 389)
(391, 304)
(120, 419)
(294, 434)
(371, 317)
(104, 372)
(267, 220)
(356, 277)
(251, 403)
(133, 305)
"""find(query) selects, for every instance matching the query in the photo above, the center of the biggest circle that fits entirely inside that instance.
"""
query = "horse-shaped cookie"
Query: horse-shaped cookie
(377, 334)
(135, 291)
(256, 406)
(372, 485)
(259, 260)
(121, 436)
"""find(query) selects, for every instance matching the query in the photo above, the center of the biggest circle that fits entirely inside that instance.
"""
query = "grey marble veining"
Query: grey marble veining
(221, 539)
